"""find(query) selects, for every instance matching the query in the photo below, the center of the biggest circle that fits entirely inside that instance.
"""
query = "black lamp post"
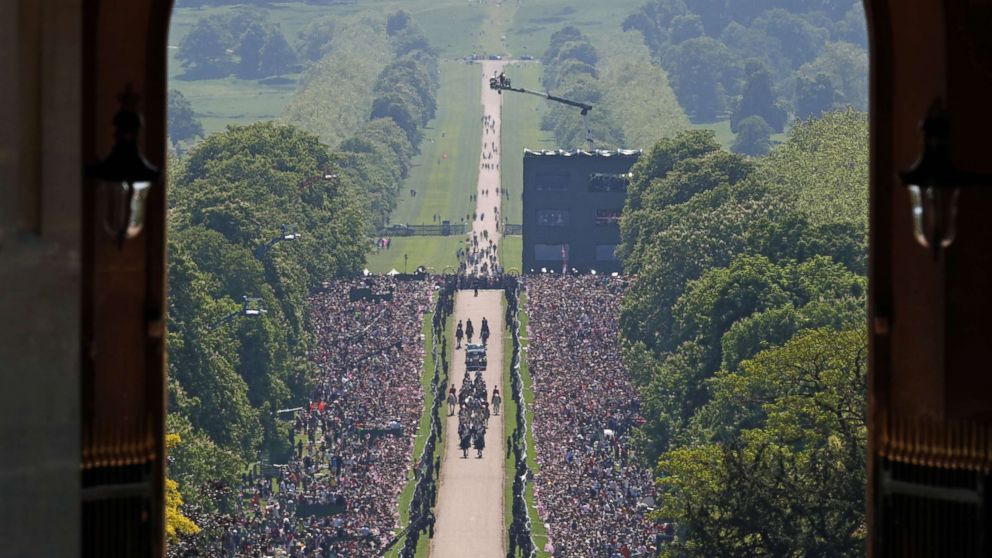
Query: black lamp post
(126, 175)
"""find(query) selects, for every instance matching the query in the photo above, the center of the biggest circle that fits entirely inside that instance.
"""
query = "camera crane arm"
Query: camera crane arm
(501, 83)
(505, 86)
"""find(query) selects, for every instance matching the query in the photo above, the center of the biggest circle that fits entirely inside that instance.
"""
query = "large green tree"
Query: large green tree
(232, 195)
(182, 122)
(203, 51)
(759, 99)
(753, 136)
(703, 71)
(784, 472)
(276, 57)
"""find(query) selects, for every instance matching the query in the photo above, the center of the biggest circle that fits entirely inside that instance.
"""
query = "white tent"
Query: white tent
(393, 272)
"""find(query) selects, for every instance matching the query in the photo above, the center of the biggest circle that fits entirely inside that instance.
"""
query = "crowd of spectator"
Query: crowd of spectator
(591, 492)
(352, 443)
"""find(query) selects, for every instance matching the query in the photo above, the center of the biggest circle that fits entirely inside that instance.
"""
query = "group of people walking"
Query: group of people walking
(473, 406)
(472, 402)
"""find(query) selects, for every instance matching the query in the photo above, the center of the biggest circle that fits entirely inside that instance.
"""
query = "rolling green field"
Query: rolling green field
(432, 252)
(229, 100)
(456, 29)
(446, 172)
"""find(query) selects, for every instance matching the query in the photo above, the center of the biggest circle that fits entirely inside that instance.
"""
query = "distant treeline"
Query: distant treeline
(744, 328)
(404, 96)
(241, 42)
(770, 60)
(206, 3)
(570, 71)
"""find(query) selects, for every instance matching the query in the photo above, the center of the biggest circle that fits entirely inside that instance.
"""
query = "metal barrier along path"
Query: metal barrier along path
(521, 536)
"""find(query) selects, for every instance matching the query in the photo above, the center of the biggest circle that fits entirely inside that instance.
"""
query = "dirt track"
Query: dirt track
(470, 500)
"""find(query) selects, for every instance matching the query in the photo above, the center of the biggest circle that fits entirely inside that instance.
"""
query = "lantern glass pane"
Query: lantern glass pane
(916, 201)
(138, 202)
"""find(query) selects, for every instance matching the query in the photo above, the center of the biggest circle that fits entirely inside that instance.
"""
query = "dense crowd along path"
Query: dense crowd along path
(592, 494)
(337, 495)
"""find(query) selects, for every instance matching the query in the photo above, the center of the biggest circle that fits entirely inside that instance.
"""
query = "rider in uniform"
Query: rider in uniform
(484, 331)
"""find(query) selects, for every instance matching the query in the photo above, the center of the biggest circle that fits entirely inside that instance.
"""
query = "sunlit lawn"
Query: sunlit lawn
(726, 137)
(510, 252)
(521, 129)
(435, 252)
(446, 172)
(229, 100)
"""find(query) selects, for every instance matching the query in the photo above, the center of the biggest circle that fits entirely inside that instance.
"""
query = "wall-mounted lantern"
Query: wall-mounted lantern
(125, 174)
(935, 184)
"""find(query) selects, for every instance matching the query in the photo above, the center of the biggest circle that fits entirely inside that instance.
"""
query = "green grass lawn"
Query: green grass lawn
(444, 185)
(725, 137)
(453, 28)
(435, 252)
(460, 29)
(521, 129)
(423, 429)
(538, 531)
(229, 100)
(510, 252)
(534, 22)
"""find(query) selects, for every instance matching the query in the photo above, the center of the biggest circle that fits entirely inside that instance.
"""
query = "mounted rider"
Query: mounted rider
(484, 332)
